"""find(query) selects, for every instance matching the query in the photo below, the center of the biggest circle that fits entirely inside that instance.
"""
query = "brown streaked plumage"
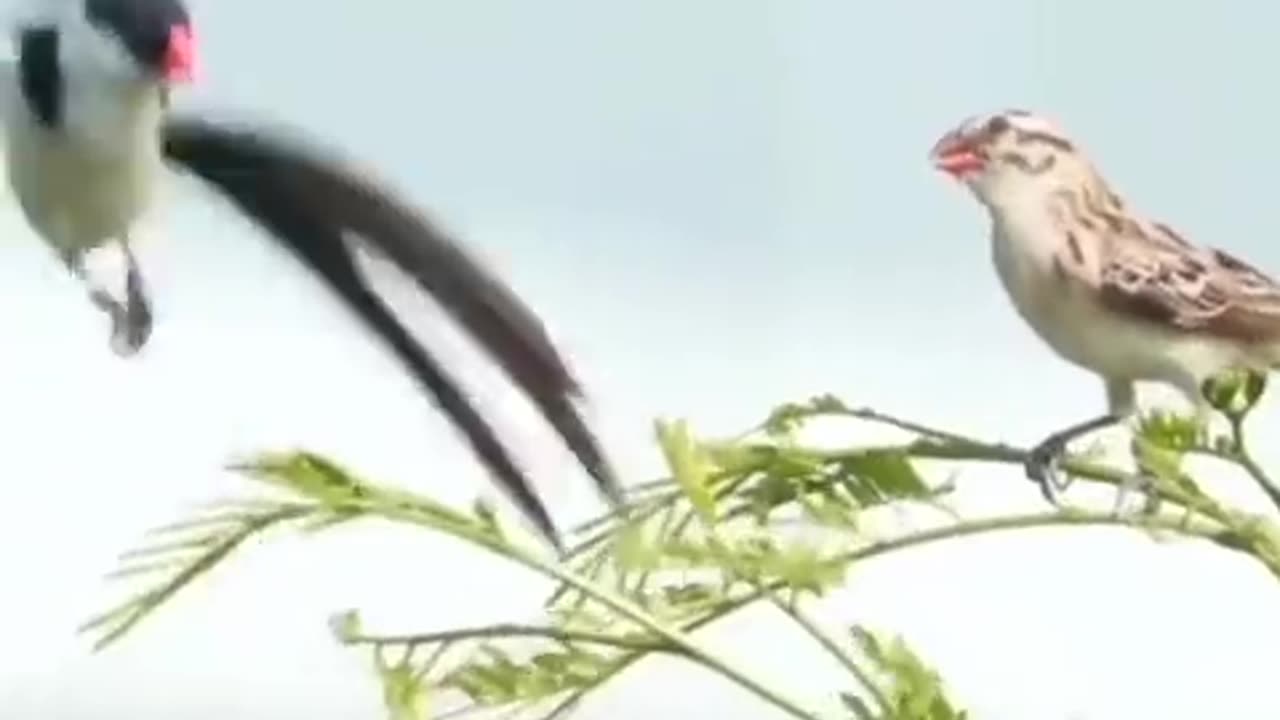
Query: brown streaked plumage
(1146, 270)
(1111, 291)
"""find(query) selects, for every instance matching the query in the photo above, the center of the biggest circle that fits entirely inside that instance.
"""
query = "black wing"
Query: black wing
(312, 205)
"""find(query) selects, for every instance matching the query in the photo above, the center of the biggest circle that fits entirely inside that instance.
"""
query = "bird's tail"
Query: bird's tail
(311, 204)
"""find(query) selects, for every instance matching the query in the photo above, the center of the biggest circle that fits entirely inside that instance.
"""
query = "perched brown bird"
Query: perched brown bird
(1108, 289)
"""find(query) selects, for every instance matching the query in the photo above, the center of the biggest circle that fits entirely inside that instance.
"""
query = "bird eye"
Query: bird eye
(997, 125)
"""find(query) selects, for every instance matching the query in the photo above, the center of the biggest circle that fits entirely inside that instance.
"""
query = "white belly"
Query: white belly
(1069, 318)
(79, 189)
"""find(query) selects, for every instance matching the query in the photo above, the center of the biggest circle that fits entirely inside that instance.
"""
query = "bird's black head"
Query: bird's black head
(157, 35)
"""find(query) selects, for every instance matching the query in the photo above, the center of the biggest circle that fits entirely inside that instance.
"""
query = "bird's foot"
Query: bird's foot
(131, 321)
(1042, 467)
(1044, 460)
(138, 318)
(131, 328)
(131, 318)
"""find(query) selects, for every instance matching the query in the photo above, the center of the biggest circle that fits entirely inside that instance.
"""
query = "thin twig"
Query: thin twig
(1244, 458)
(652, 487)
(1221, 536)
(730, 563)
(1213, 523)
(834, 648)
(1259, 476)
(400, 511)
(673, 635)
(123, 617)
(509, 630)
(876, 416)
(942, 445)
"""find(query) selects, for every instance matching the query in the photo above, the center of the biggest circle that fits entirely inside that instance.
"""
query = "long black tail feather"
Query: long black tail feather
(313, 205)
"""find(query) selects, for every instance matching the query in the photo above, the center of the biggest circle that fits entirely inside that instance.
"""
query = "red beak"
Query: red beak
(957, 155)
(180, 55)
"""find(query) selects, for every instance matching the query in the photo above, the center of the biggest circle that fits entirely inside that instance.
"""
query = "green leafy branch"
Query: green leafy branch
(762, 517)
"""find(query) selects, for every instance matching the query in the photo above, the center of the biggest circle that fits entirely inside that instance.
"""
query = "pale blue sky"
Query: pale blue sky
(717, 206)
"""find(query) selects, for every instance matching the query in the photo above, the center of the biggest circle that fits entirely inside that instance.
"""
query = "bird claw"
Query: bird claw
(131, 321)
(1042, 466)
(130, 329)
(1043, 462)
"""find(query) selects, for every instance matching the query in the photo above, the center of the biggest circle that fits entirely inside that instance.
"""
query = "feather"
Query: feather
(310, 203)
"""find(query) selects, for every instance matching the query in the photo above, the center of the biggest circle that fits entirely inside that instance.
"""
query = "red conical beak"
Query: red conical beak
(180, 55)
(957, 155)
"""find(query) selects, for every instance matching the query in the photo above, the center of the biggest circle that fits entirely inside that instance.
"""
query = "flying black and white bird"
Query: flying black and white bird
(89, 135)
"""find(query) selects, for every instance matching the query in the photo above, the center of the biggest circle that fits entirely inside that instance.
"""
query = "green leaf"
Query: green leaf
(326, 520)
(633, 551)
(802, 567)
(1255, 384)
(405, 695)
(827, 508)
(857, 706)
(784, 420)
(1160, 460)
(1166, 465)
(1170, 431)
(184, 561)
(881, 475)
(306, 474)
(767, 494)
(912, 689)
(1234, 393)
(497, 679)
(734, 458)
(345, 625)
(550, 662)
(487, 516)
(689, 466)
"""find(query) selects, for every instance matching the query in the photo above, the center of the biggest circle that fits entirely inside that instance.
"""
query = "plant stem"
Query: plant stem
(674, 636)
(929, 432)
(973, 451)
(1244, 458)
(949, 446)
(937, 445)
(1220, 536)
(654, 502)
(508, 630)
(731, 562)
(124, 616)
(832, 646)
(1259, 476)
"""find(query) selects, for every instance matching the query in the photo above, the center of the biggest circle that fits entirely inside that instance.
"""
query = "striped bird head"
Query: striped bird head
(1005, 156)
